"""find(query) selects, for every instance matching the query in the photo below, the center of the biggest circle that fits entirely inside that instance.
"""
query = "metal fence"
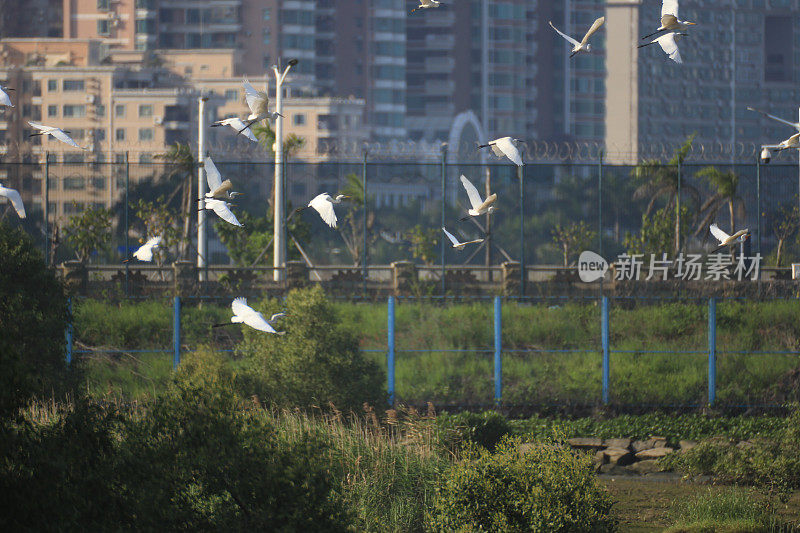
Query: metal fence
(512, 353)
(401, 196)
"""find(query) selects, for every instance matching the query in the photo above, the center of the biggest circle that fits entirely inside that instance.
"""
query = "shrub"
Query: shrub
(771, 464)
(317, 362)
(484, 429)
(33, 314)
(539, 487)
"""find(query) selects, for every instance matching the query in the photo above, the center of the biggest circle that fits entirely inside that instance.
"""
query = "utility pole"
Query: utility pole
(279, 228)
(201, 187)
(488, 246)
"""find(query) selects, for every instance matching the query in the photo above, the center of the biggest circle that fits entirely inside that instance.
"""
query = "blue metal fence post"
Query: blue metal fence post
(604, 341)
(390, 354)
(498, 350)
(176, 332)
(712, 351)
(68, 331)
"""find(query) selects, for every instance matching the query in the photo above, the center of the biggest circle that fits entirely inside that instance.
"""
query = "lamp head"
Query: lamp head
(766, 155)
(292, 62)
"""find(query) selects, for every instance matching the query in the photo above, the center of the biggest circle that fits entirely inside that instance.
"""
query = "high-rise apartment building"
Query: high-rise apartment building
(651, 100)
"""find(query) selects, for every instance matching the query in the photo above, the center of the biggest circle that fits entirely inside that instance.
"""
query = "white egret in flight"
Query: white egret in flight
(258, 102)
(57, 133)
(426, 4)
(4, 99)
(323, 204)
(795, 125)
(459, 245)
(669, 45)
(669, 19)
(244, 314)
(15, 198)
(728, 240)
(479, 205)
(791, 142)
(217, 188)
(223, 210)
(505, 146)
(584, 45)
(145, 251)
(237, 124)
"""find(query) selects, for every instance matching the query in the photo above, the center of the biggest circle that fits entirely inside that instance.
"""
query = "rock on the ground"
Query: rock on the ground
(615, 470)
(686, 445)
(648, 466)
(618, 456)
(639, 445)
(584, 443)
(653, 453)
(600, 457)
(617, 443)
(657, 442)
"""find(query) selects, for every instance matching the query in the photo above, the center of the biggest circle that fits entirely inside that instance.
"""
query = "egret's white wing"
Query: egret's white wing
(276, 315)
(451, 237)
(324, 207)
(16, 200)
(240, 308)
(145, 252)
(596, 26)
(256, 101)
(474, 197)
(4, 99)
(64, 138)
(240, 127)
(507, 147)
(670, 47)
(565, 36)
(426, 3)
(669, 7)
(718, 234)
(471, 242)
(213, 176)
(223, 211)
(38, 126)
(773, 117)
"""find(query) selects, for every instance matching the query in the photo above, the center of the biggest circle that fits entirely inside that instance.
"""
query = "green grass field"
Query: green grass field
(427, 369)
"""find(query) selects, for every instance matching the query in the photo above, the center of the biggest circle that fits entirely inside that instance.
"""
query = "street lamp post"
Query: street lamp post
(279, 242)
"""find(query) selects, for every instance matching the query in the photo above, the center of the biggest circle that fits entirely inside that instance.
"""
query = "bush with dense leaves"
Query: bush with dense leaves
(316, 363)
(485, 429)
(533, 487)
(771, 464)
(198, 458)
(33, 314)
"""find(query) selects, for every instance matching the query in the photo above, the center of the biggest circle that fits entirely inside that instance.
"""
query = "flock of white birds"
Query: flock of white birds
(220, 192)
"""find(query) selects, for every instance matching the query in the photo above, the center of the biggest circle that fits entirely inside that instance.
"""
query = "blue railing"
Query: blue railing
(497, 350)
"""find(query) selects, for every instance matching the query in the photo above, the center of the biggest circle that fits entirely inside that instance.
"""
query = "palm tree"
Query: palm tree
(353, 226)
(658, 182)
(180, 155)
(726, 185)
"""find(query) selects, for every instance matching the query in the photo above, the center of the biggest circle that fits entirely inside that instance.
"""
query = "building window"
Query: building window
(298, 119)
(102, 27)
(74, 111)
(98, 183)
(265, 14)
(102, 4)
(119, 157)
(145, 134)
(145, 110)
(119, 111)
(100, 110)
(120, 134)
(100, 135)
(266, 36)
(231, 94)
(52, 111)
(73, 85)
(145, 158)
(74, 183)
(52, 86)
(72, 157)
(72, 208)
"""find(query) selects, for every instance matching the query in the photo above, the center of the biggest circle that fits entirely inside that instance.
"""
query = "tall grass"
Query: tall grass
(726, 510)
(551, 353)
